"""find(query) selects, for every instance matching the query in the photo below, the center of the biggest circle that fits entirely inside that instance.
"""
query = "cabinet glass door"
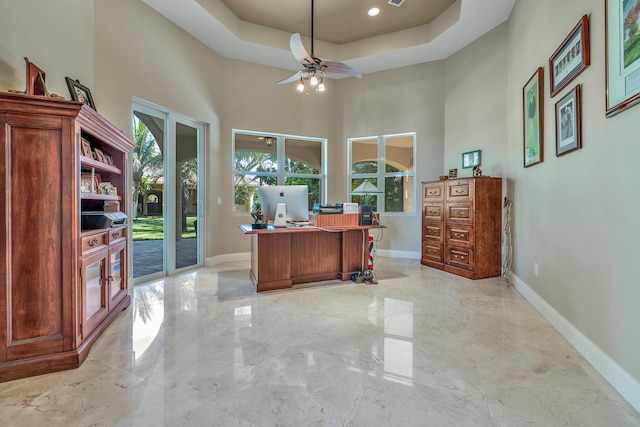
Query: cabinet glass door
(117, 271)
(94, 302)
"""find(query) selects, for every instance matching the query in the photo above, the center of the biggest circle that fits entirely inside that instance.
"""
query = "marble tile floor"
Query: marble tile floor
(421, 348)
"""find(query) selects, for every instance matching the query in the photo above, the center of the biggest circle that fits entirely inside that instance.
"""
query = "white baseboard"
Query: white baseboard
(219, 259)
(398, 254)
(617, 376)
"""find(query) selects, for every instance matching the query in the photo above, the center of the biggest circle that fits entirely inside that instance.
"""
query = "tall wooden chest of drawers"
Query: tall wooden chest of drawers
(462, 225)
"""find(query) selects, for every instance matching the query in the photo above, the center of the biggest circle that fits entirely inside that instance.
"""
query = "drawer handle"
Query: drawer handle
(432, 192)
(432, 232)
(458, 235)
(459, 213)
(432, 212)
(115, 235)
(93, 242)
(458, 191)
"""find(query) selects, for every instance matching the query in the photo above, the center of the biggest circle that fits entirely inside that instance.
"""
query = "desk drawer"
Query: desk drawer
(460, 213)
(459, 190)
(432, 251)
(93, 242)
(117, 234)
(433, 231)
(459, 257)
(433, 192)
(459, 235)
(433, 212)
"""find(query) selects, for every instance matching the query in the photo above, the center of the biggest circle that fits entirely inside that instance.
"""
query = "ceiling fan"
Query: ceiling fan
(315, 68)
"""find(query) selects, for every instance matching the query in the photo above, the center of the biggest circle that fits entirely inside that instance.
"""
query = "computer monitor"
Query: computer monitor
(296, 197)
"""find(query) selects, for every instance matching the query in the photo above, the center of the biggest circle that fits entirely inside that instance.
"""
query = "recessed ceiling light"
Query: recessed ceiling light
(373, 11)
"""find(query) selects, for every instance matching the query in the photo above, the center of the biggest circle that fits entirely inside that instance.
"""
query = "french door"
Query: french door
(167, 203)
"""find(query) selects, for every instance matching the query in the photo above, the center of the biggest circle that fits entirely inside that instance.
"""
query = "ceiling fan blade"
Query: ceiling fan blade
(293, 78)
(340, 68)
(298, 50)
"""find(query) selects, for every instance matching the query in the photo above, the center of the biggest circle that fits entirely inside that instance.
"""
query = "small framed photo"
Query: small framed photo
(470, 159)
(86, 148)
(533, 119)
(568, 123)
(89, 183)
(80, 93)
(571, 58)
(453, 173)
(99, 155)
(85, 185)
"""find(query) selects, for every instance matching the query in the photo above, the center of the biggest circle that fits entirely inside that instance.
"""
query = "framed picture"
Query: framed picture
(85, 185)
(453, 173)
(80, 93)
(622, 55)
(568, 123)
(571, 57)
(99, 155)
(89, 184)
(533, 123)
(108, 159)
(470, 159)
(86, 148)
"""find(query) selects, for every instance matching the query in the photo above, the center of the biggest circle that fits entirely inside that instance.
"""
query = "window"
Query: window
(388, 163)
(270, 159)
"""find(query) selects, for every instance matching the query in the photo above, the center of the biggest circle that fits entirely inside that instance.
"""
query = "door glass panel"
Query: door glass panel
(149, 194)
(186, 209)
(93, 298)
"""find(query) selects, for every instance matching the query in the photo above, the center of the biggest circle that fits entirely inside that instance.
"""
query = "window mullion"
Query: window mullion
(381, 173)
(281, 160)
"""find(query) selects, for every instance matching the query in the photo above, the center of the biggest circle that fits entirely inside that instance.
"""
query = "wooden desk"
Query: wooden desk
(283, 257)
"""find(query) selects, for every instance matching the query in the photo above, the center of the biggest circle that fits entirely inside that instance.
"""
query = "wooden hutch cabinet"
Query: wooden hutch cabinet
(61, 283)
(462, 226)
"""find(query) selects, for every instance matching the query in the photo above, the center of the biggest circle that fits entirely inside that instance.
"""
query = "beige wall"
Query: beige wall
(56, 36)
(576, 216)
(475, 108)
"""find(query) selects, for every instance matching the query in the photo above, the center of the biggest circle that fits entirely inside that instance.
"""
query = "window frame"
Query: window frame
(380, 175)
(281, 174)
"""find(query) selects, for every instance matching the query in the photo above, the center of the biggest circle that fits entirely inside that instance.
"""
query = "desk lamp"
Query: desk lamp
(366, 188)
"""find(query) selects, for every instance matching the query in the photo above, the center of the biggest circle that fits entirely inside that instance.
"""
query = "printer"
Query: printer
(92, 220)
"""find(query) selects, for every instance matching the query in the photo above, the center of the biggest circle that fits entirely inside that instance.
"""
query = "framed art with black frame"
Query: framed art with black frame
(80, 93)
(571, 58)
(622, 55)
(533, 119)
(568, 123)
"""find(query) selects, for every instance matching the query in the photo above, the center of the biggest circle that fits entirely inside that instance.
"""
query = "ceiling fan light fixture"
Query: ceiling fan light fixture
(321, 86)
(314, 69)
